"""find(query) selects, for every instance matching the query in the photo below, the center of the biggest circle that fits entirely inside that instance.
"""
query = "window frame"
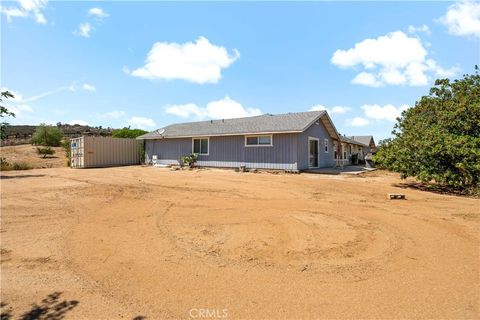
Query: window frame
(258, 140)
(208, 145)
(325, 145)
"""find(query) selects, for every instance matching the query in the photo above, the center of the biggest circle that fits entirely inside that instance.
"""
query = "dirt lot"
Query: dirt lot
(138, 242)
(27, 153)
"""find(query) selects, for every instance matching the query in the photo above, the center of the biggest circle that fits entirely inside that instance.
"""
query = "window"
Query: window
(349, 149)
(200, 146)
(325, 143)
(251, 141)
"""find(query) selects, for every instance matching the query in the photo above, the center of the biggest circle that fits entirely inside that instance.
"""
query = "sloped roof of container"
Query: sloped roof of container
(263, 124)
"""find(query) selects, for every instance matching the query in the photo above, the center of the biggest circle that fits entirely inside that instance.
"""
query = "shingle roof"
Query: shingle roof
(363, 139)
(266, 123)
(351, 141)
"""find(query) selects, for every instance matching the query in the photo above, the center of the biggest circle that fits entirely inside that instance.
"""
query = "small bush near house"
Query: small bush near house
(190, 160)
(47, 136)
(438, 140)
(7, 166)
(45, 151)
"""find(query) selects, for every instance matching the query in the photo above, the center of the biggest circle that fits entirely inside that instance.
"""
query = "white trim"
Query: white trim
(208, 145)
(258, 136)
(318, 151)
(325, 145)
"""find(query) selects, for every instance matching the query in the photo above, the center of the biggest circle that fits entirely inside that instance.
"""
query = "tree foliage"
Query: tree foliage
(47, 136)
(438, 140)
(4, 112)
(126, 132)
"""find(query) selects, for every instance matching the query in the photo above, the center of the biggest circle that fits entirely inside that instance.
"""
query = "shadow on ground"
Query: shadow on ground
(431, 188)
(23, 176)
(51, 308)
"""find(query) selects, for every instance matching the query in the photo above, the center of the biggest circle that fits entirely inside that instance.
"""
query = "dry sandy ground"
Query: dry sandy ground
(28, 154)
(138, 242)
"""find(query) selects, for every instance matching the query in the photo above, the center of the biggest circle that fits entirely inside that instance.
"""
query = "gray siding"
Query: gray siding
(289, 151)
(315, 131)
(229, 151)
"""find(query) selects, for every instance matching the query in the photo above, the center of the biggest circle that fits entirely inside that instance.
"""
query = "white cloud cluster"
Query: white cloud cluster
(358, 122)
(423, 28)
(225, 108)
(85, 28)
(79, 122)
(27, 8)
(387, 112)
(98, 13)
(141, 123)
(375, 112)
(198, 62)
(89, 87)
(394, 58)
(332, 110)
(463, 19)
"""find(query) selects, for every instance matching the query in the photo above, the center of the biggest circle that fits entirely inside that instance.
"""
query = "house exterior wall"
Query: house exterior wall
(315, 131)
(229, 151)
(288, 152)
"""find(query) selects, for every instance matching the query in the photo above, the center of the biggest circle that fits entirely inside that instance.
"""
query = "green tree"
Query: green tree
(4, 112)
(47, 151)
(128, 133)
(438, 140)
(47, 136)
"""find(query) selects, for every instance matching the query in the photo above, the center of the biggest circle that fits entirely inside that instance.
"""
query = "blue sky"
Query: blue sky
(149, 64)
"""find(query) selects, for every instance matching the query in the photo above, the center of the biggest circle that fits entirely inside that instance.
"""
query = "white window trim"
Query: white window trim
(259, 145)
(318, 156)
(326, 142)
(208, 145)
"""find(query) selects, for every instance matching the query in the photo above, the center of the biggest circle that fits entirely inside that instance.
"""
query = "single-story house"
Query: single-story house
(291, 141)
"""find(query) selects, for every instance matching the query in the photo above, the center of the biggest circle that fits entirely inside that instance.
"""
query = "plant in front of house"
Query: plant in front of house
(45, 152)
(190, 160)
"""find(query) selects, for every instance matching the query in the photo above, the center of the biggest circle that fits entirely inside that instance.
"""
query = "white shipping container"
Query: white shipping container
(91, 152)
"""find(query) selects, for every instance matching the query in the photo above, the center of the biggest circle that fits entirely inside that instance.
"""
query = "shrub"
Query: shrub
(190, 160)
(21, 166)
(66, 144)
(128, 133)
(45, 151)
(47, 136)
(4, 164)
(439, 139)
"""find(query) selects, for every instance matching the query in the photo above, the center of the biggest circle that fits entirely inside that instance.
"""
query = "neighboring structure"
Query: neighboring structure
(90, 152)
(368, 141)
(292, 141)
(353, 152)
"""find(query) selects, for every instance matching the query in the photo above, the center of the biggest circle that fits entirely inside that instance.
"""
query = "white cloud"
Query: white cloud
(115, 114)
(27, 8)
(387, 112)
(97, 12)
(423, 28)
(84, 30)
(225, 108)
(198, 62)
(89, 87)
(141, 123)
(333, 110)
(463, 19)
(358, 122)
(20, 109)
(80, 122)
(395, 58)
(367, 79)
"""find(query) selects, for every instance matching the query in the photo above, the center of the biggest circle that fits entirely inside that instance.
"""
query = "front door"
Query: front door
(313, 153)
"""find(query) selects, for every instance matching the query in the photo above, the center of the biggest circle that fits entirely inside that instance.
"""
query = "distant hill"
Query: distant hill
(20, 134)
